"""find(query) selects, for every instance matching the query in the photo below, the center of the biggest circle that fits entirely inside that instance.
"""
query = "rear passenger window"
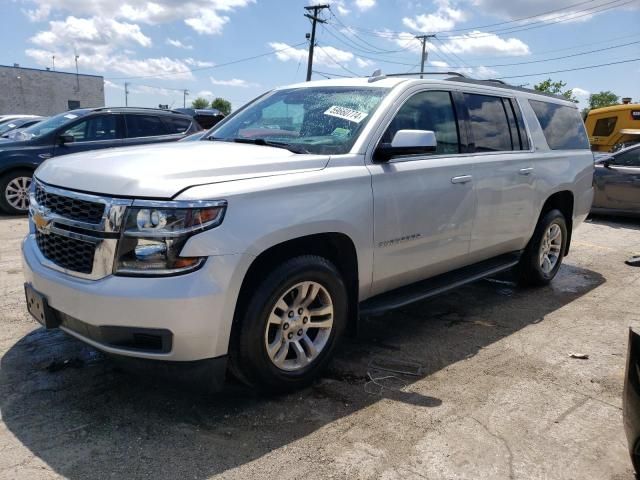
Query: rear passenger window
(177, 124)
(489, 124)
(428, 111)
(604, 126)
(144, 126)
(562, 126)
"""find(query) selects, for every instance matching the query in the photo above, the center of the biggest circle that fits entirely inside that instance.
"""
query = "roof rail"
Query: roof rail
(457, 74)
(135, 108)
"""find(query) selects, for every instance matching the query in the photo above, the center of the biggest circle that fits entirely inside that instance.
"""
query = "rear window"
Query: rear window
(562, 126)
(144, 126)
(604, 126)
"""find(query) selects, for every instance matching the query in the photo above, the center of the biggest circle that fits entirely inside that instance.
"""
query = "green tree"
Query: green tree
(199, 103)
(556, 88)
(603, 99)
(221, 104)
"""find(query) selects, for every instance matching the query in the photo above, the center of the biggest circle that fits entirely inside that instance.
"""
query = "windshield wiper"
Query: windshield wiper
(269, 143)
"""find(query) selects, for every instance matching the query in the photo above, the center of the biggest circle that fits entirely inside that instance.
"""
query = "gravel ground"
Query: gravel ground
(497, 395)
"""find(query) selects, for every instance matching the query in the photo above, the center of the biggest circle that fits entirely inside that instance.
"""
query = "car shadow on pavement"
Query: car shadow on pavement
(75, 410)
(613, 221)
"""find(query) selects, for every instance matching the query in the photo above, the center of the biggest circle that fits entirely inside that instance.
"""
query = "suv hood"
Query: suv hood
(163, 170)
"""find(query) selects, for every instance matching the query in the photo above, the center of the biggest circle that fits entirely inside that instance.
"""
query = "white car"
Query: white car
(254, 249)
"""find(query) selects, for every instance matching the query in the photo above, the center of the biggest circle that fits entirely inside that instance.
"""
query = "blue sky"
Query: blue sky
(164, 46)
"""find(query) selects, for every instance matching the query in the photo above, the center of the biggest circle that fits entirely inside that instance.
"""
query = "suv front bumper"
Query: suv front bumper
(194, 311)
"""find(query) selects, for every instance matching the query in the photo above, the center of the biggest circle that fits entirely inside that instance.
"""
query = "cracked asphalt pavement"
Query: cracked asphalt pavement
(497, 395)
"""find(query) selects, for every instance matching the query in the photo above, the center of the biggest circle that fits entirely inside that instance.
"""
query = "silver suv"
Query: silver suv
(253, 249)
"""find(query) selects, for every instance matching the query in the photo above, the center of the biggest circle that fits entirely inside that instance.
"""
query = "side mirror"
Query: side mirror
(407, 142)
(606, 162)
(63, 139)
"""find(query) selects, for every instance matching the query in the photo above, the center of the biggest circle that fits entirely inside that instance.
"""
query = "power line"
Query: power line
(423, 57)
(363, 41)
(571, 69)
(390, 34)
(545, 23)
(219, 65)
(337, 63)
(551, 59)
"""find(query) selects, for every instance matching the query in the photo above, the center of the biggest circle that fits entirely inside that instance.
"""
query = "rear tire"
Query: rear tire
(285, 335)
(14, 192)
(543, 256)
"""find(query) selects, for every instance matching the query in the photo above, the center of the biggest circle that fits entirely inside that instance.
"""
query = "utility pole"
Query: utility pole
(53, 63)
(126, 94)
(423, 39)
(314, 19)
(77, 75)
(185, 92)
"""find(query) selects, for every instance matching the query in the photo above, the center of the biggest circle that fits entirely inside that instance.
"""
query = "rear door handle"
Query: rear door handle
(461, 179)
(525, 171)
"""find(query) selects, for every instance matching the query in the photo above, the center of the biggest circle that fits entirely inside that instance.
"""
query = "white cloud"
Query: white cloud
(443, 19)
(234, 82)
(198, 63)
(204, 93)
(204, 16)
(105, 60)
(363, 63)
(207, 22)
(322, 56)
(341, 6)
(178, 44)
(94, 31)
(365, 4)
(439, 64)
(115, 86)
(39, 13)
(581, 93)
(477, 42)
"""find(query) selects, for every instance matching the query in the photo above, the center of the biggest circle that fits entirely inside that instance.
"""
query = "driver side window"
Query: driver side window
(97, 128)
(433, 111)
(629, 159)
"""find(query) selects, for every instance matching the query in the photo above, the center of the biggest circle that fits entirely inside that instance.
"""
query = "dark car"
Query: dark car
(617, 182)
(11, 125)
(78, 131)
(631, 400)
(206, 117)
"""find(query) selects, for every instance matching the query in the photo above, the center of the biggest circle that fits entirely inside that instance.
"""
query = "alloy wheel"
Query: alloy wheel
(550, 248)
(17, 193)
(299, 326)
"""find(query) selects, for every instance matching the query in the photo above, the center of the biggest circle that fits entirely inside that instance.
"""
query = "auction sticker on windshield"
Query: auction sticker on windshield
(346, 114)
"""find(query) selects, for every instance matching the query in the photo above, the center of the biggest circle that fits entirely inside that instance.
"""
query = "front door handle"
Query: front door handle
(525, 171)
(462, 179)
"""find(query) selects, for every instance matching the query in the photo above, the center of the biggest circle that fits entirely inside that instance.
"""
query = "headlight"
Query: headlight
(155, 232)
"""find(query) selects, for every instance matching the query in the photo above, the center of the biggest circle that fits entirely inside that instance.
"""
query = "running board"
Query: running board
(435, 286)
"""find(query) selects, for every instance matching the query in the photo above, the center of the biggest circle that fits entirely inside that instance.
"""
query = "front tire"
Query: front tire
(286, 334)
(543, 256)
(14, 192)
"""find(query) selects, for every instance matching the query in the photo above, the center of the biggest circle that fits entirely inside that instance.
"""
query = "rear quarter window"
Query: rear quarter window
(177, 124)
(562, 126)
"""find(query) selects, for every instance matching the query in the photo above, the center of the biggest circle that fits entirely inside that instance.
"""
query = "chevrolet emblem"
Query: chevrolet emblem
(41, 222)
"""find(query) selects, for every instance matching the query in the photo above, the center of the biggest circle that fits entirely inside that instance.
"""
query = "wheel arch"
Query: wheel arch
(336, 247)
(564, 201)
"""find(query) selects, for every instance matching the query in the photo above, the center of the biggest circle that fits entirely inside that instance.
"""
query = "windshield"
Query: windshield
(322, 120)
(46, 126)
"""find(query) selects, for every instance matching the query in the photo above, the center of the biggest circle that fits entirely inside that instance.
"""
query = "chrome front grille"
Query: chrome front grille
(76, 233)
(68, 207)
(66, 252)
